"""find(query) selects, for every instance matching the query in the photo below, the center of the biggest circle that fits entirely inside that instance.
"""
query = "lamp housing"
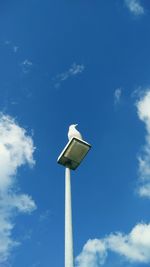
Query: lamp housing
(73, 153)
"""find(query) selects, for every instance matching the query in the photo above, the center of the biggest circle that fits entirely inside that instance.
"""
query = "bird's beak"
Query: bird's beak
(76, 125)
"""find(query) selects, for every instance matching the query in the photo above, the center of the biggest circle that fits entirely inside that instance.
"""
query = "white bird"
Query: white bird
(73, 132)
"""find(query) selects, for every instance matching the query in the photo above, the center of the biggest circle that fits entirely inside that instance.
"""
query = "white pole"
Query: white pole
(68, 222)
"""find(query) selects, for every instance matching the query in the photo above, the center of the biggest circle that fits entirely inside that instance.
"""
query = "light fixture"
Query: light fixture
(73, 153)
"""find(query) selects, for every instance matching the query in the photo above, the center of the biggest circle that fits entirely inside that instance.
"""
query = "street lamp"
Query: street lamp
(71, 157)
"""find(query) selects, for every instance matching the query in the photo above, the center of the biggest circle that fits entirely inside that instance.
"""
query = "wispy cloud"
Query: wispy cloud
(11, 46)
(143, 110)
(46, 215)
(26, 66)
(7, 42)
(74, 70)
(16, 149)
(36, 264)
(15, 48)
(117, 95)
(135, 7)
(133, 247)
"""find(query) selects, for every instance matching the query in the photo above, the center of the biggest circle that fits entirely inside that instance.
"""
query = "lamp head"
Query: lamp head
(73, 153)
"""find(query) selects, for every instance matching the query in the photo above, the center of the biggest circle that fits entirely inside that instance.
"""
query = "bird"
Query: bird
(73, 132)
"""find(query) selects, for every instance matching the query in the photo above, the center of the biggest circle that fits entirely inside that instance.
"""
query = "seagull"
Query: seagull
(73, 132)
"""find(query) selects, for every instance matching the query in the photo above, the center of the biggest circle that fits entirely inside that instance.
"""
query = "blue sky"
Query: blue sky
(66, 62)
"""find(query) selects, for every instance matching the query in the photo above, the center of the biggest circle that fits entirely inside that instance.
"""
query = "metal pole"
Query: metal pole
(68, 222)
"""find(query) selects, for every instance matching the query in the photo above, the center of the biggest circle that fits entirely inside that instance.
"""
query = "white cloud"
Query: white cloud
(117, 95)
(93, 254)
(134, 247)
(135, 7)
(74, 70)
(143, 110)
(16, 149)
(23, 203)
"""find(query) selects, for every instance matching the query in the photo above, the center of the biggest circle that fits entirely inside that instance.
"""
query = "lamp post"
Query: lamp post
(71, 157)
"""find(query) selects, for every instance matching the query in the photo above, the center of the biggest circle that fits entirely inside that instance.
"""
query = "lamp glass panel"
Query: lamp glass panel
(76, 151)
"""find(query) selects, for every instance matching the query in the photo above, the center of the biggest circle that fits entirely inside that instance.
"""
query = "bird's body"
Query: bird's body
(73, 132)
